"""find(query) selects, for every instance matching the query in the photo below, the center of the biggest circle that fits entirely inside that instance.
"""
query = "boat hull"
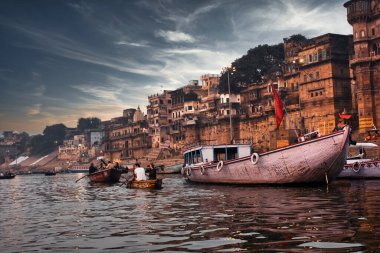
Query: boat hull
(360, 170)
(7, 176)
(145, 184)
(170, 169)
(79, 169)
(314, 161)
(105, 176)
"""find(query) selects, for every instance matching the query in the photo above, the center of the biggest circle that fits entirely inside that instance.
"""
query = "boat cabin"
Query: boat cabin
(214, 153)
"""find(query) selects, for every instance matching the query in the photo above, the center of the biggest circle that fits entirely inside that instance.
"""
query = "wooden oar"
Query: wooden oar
(127, 179)
(80, 178)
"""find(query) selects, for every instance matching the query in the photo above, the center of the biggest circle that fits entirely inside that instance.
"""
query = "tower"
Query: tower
(364, 16)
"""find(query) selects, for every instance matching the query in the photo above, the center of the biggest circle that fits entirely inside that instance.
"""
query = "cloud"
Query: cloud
(174, 36)
(133, 44)
(98, 92)
(34, 110)
(39, 91)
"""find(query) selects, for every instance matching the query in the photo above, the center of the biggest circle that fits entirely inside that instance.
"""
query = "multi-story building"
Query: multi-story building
(364, 16)
(208, 103)
(129, 141)
(318, 70)
(74, 149)
(159, 117)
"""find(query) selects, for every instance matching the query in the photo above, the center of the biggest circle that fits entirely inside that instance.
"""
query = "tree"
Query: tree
(260, 64)
(88, 123)
(52, 137)
(38, 144)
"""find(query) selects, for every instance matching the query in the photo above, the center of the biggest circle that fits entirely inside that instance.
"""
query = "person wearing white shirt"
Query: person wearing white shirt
(139, 173)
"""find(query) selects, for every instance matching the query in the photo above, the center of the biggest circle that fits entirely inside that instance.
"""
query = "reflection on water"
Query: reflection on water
(55, 214)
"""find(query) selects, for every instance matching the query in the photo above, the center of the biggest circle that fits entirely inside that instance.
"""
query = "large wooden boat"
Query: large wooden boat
(359, 167)
(318, 159)
(145, 184)
(105, 176)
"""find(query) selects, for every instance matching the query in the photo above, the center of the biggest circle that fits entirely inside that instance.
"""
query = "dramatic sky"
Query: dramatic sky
(61, 60)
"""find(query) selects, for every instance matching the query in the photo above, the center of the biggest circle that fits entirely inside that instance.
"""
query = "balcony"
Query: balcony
(268, 108)
(190, 122)
(360, 59)
(118, 137)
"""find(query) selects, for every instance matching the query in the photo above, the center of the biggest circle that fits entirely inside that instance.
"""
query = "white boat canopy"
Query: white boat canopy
(364, 145)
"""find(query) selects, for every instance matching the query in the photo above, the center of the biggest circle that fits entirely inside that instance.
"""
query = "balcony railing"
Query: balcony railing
(358, 59)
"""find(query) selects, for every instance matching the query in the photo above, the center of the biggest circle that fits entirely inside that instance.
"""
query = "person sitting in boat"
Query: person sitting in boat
(101, 166)
(139, 172)
(92, 169)
(110, 165)
(152, 172)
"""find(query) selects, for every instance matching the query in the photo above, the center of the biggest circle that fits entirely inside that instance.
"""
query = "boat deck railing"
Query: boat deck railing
(215, 143)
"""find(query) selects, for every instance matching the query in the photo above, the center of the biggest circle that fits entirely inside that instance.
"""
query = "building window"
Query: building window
(357, 35)
(227, 100)
(312, 94)
(296, 86)
(311, 76)
(373, 31)
(317, 75)
(362, 33)
(315, 57)
(305, 78)
(324, 54)
(190, 108)
(310, 58)
(304, 59)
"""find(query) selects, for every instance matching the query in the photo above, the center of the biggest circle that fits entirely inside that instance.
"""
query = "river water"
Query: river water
(54, 214)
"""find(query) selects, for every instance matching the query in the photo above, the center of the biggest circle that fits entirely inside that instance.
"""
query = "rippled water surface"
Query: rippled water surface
(54, 214)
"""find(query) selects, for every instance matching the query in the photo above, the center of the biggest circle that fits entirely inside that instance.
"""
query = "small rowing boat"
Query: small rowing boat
(145, 184)
(105, 176)
(7, 175)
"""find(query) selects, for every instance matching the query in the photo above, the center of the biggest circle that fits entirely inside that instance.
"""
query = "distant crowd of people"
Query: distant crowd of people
(140, 173)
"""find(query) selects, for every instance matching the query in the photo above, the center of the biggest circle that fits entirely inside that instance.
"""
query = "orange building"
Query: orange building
(364, 16)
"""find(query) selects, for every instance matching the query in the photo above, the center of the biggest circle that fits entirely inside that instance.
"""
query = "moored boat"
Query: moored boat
(78, 169)
(7, 175)
(176, 168)
(50, 173)
(315, 160)
(145, 184)
(105, 176)
(359, 167)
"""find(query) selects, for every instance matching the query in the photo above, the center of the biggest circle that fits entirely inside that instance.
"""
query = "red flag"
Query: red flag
(278, 106)
(344, 116)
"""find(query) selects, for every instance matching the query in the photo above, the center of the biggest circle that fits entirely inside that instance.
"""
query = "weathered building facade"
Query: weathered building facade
(364, 16)
(317, 70)
(128, 141)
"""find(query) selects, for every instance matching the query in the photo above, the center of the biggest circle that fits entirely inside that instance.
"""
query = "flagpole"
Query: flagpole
(229, 106)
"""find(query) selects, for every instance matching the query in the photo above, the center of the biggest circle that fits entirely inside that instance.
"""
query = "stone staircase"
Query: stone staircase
(154, 154)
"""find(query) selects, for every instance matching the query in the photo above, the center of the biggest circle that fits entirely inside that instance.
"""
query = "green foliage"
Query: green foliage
(297, 38)
(259, 65)
(88, 123)
(52, 137)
